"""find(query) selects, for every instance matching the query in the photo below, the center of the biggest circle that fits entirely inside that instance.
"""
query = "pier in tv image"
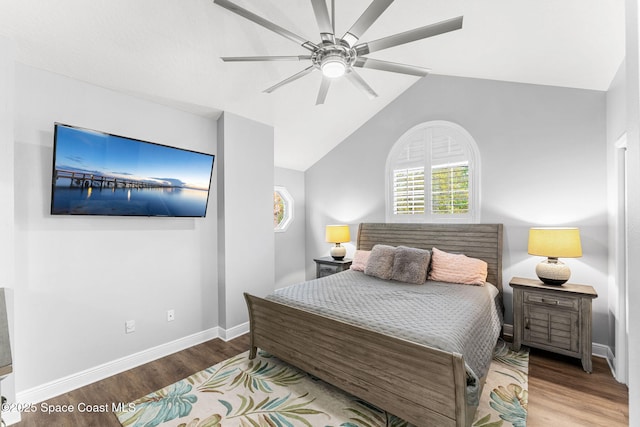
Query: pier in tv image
(96, 173)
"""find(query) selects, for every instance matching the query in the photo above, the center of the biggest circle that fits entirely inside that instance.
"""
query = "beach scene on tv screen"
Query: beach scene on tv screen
(101, 174)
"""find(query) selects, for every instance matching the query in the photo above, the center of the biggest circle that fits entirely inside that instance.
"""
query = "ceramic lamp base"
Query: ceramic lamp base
(553, 272)
(338, 252)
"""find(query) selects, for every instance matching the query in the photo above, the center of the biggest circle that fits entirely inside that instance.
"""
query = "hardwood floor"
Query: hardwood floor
(560, 392)
(132, 384)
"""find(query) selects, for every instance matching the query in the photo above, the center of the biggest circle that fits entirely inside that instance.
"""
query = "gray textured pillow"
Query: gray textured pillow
(380, 262)
(410, 265)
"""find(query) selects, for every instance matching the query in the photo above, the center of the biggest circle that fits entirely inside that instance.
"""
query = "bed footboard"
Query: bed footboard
(420, 384)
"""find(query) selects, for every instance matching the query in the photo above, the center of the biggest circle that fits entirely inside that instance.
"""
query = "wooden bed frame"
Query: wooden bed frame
(421, 384)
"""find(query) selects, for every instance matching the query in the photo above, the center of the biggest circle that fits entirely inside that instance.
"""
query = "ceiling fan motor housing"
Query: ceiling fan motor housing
(333, 59)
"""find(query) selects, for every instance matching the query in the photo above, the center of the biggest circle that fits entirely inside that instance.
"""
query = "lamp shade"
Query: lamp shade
(555, 242)
(337, 234)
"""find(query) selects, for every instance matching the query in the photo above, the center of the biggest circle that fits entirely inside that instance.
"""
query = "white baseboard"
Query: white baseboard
(66, 384)
(235, 332)
(600, 350)
(11, 418)
(613, 363)
(71, 382)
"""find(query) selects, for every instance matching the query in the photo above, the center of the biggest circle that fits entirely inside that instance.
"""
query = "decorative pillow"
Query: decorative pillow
(457, 268)
(360, 259)
(410, 265)
(380, 262)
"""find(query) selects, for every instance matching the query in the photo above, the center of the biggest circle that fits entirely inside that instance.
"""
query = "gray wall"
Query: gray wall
(245, 212)
(290, 254)
(78, 279)
(543, 159)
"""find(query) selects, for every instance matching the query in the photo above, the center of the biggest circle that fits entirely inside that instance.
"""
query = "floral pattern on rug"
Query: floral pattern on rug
(268, 392)
(505, 395)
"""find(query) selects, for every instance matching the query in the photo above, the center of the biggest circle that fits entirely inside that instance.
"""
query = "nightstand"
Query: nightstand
(327, 266)
(553, 318)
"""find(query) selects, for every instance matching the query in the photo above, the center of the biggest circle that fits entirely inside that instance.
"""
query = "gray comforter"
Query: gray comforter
(455, 318)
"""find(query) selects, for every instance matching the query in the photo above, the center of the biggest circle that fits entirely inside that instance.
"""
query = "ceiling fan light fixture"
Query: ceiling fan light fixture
(333, 66)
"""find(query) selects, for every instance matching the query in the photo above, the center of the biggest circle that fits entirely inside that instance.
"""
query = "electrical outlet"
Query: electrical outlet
(129, 326)
(171, 315)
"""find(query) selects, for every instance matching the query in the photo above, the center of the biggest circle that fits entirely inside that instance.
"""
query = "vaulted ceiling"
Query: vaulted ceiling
(169, 51)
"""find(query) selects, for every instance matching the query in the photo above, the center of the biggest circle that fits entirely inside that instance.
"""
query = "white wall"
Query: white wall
(289, 245)
(7, 258)
(542, 150)
(616, 131)
(245, 213)
(632, 71)
(78, 279)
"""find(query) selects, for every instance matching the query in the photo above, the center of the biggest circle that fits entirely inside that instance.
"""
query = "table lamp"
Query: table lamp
(337, 234)
(554, 243)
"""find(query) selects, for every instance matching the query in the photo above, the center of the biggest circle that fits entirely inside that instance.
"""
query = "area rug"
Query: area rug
(269, 392)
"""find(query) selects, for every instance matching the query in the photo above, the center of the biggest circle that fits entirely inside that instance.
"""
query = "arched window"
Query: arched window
(433, 175)
(282, 208)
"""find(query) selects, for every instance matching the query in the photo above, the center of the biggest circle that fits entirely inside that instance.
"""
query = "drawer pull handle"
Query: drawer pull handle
(548, 301)
(526, 323)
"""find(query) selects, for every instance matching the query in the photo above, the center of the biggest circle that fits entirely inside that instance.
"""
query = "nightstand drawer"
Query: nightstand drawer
(551, 300)
(549, 327)
(327, 270)
(327, 266)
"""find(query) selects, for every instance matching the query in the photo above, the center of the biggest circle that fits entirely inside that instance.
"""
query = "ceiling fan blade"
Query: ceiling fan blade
(373, 12)
(410, 36)
(265, 23)
(324, 22)
(265, 58)
(359, 82)
(290, 79)
(324, 89)
(394, 67)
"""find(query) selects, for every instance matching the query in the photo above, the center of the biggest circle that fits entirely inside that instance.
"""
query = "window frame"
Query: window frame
(288, 214)
(472, 156)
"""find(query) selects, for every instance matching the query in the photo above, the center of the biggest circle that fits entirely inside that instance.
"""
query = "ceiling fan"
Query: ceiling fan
(339, 56)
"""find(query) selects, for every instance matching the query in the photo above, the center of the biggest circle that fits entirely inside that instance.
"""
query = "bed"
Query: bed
(419, 382)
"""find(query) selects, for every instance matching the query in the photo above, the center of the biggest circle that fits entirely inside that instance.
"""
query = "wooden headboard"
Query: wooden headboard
(483, 241)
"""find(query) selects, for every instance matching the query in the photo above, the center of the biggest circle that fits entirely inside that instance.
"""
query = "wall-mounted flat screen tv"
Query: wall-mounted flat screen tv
(97, 173)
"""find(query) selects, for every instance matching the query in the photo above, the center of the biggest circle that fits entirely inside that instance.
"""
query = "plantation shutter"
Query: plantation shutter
(408, 179)
(449, 176)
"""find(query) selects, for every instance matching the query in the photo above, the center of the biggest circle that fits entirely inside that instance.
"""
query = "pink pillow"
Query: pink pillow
(457, 268)
(360, 259)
